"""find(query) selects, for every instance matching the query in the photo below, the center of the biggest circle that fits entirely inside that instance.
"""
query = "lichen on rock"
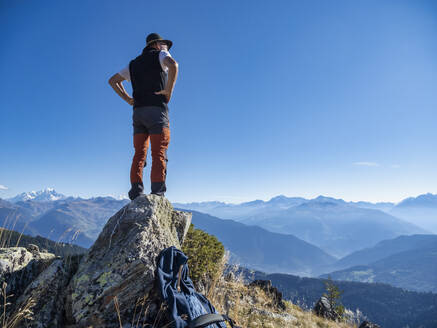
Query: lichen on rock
(19, 267)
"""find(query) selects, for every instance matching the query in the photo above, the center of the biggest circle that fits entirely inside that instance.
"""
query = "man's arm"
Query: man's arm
(116, 83)
(173, 69)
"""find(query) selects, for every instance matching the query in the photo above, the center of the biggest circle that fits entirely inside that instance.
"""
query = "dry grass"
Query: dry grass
(252, 307)
(22, 313)
(21, 235)
(141, 312)
(6, 229)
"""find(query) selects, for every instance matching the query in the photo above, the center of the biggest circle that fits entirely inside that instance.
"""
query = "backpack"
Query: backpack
(186, 307)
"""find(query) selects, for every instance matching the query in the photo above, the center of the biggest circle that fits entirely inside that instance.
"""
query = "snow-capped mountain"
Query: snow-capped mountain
(45, 195)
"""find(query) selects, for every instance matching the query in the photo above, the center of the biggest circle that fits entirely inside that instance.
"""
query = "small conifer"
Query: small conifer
(333, 294)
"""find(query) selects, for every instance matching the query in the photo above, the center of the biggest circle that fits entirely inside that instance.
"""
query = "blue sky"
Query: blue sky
(288, 97)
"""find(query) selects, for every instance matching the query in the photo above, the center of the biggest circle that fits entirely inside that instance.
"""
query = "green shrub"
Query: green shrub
(205, 254)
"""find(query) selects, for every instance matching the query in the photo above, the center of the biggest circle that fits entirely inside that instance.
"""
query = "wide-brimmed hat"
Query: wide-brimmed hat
(153, 37)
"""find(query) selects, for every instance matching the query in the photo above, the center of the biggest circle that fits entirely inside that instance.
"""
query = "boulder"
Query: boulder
(47, 292)
(323, 309)
(16, 258)
(116, 277)
(34, 249)
(19, 267)
(275, 294)
(367, 324)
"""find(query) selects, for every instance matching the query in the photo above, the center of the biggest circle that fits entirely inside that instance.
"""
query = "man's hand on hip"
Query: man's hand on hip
(116, 83)
(166, 93)
(130, 101)
(172, 75)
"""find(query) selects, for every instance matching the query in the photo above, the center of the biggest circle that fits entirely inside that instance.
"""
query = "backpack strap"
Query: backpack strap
(179, 278)
(210, 318)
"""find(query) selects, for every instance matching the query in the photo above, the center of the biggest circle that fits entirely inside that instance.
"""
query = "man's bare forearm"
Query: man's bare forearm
(173, 69)
(116, 83)
(172, 76)
(121, 91)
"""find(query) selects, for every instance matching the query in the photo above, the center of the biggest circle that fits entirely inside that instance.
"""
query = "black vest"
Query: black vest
(147, 77)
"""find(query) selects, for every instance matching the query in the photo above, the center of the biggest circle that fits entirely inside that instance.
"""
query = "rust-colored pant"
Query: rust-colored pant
(159, 143)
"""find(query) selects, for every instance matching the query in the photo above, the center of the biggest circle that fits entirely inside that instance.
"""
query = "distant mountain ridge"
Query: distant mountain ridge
(81, 218)
(233, 211)
(236, 211)
(71, 220)
(408, 262)
(384, 249)
(422, 210)
(45, 195)
(259, 249)
(334, 225)
(425, 200)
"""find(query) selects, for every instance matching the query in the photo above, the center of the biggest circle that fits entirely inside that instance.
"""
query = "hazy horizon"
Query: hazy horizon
(4, 195)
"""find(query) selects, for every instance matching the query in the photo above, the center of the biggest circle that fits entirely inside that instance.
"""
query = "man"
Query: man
(153, 75)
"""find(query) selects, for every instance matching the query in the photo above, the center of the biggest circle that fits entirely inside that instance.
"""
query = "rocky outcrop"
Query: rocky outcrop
(111, 283)
(20, 266)
(14, 259)
(323, 309)
(119, 269)
(48, 293)
(275, 294)
(367, 324)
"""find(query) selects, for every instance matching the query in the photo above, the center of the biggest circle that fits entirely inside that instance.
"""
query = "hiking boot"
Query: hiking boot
(136, 190)
(158, 188)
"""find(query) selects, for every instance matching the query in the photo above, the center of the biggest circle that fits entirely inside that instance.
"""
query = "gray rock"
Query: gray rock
(47, 292)
(230, 276)
(323, 309)
(367, 324)
(275, 294)
(13, 259)
(122, 263)
(34, 249)
(19, 267)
